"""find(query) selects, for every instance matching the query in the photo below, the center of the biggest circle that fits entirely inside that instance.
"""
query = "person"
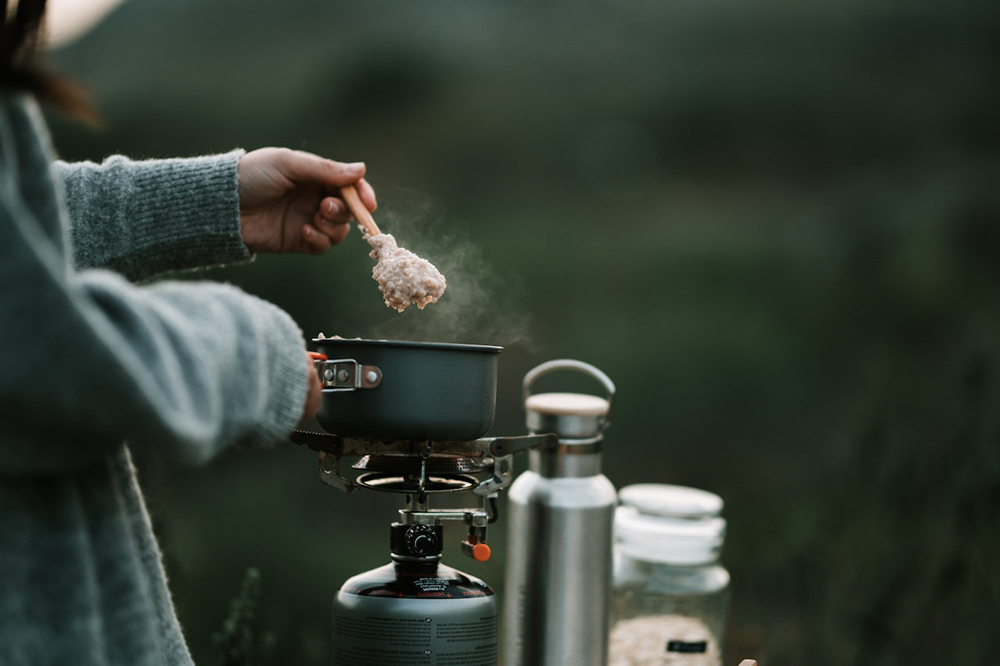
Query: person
(97, 360)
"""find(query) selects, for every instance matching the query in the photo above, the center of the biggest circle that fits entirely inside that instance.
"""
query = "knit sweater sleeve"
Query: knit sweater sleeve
(140, 218)
(185, 368)
(91, 359)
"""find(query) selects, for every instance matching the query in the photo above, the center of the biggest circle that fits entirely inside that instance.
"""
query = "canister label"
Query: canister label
(377, 631)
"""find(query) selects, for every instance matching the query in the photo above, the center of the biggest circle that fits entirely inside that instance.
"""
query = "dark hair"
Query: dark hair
(19, 65)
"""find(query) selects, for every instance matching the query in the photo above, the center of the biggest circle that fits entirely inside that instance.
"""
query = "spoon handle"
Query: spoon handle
(361, 213)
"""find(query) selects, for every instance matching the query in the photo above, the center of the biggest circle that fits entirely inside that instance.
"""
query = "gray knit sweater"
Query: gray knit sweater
(89, 360)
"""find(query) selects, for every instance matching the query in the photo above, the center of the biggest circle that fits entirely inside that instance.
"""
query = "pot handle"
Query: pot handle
(345, 374)
(568, 364)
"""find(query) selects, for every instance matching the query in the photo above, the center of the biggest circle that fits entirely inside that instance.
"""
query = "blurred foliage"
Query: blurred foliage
(240, 641)
(775, 225)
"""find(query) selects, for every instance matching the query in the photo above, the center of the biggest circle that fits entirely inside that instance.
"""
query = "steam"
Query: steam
(481, 305)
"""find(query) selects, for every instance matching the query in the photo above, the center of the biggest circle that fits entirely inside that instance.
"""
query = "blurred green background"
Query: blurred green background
(775, 225)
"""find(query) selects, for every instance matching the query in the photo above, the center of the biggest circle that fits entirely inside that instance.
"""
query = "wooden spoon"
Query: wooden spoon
(361, 214)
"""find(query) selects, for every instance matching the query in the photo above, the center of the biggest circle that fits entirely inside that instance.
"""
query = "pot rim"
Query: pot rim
(409, 344)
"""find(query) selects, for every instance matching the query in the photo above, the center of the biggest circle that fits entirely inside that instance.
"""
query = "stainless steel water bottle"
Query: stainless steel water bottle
(561, 514)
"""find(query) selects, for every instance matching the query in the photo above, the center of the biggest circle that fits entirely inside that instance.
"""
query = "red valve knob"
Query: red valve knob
(481, 552)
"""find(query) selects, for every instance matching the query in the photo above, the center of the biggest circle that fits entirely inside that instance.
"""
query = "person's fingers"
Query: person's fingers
(314, 396)
(305, 167)
(333, 209)
(335, 230)
(317, 242)
(367, 194)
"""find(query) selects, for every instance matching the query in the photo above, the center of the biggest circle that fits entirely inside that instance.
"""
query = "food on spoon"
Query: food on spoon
(403, 277)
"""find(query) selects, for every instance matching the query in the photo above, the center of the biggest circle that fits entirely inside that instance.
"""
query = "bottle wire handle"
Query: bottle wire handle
(569, 364)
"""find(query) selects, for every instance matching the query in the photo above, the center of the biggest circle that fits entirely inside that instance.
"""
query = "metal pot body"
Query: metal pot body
(399, 390)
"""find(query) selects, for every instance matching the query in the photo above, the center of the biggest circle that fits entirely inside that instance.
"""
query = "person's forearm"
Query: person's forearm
(140, 218)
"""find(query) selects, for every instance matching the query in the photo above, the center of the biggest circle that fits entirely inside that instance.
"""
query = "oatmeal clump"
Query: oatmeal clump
(403, 277)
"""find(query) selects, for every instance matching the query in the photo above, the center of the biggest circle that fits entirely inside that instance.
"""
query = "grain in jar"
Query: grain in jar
(670, 591)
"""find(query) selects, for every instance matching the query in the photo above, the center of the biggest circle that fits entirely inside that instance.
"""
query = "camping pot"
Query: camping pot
(385, 389)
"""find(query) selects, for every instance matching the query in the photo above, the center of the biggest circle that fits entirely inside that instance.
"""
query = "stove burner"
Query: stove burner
(394, 483)
(482, 465)
(434, 473)
(436, 464)
(420, 469)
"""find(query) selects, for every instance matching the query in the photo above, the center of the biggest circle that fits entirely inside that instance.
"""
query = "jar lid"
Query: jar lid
(668, 540)
(660, 499)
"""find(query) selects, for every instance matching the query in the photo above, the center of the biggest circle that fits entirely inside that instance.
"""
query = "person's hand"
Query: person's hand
(315, 395)
(290, 200)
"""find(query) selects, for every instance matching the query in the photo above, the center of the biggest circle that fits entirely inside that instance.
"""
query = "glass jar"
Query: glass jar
(671, 594)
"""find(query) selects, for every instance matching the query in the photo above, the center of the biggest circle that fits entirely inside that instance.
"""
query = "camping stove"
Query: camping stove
(420, 470)
(416, 610)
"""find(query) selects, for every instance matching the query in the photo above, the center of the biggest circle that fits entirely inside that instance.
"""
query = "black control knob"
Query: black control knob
(416, 541)
(422, 541)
